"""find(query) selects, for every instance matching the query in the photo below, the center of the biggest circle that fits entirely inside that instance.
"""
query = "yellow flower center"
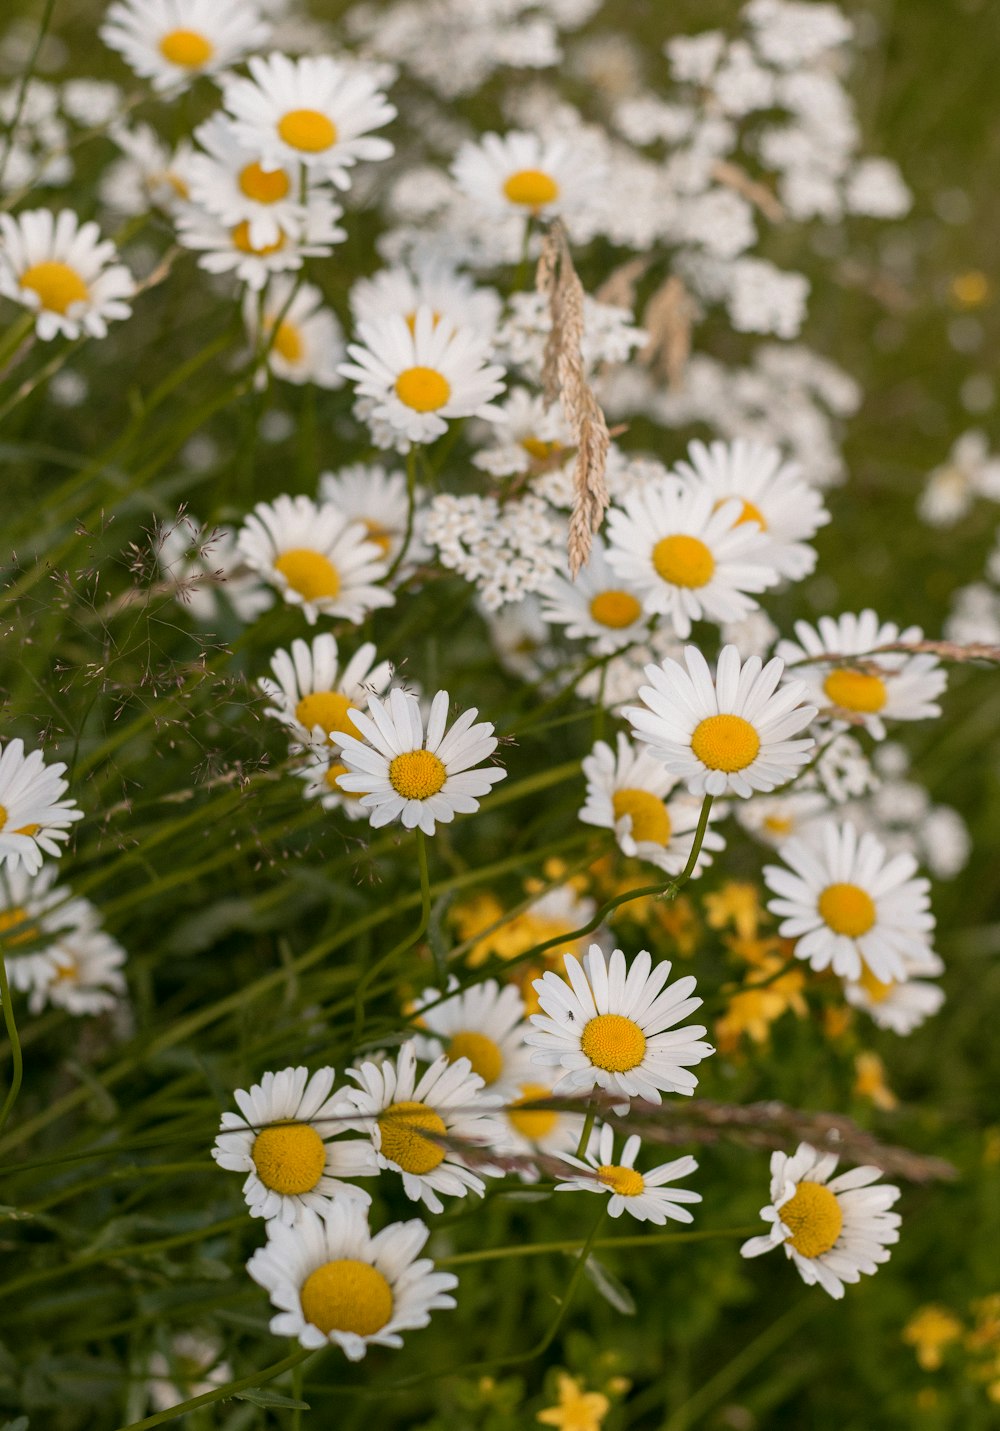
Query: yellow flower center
(309, 573)
(187, 48)
(875, 988)
(381, 536)
(778, 824)
(615, 609)
(482, 1053)
(847, 909)
(67, 972)
(16, 919)
(814, 1217)
(532, 1123)
(403, 1126)
(347, 1296)
(423, 389)
(332, 778)
(289, 1157)
(532, 188)
(308, 130)
(264, 186)
(417, 774)
(3, 817)
(621, 1180)
(683, 561)
(328, 710)
(650, 819)
(240, 236)
(56, 285)
(538, 449)
(288, 343)
(856, 691)
(613, 1042)
(725, 742)
(750, 512)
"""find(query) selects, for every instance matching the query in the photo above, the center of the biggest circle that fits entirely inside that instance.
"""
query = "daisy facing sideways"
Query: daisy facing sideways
(643, 1196)
(899, 1004)
(312, 695)
(303, 339)
(34, 816)
(403, 772)
(484, 1024)
(609, 1026)
(64, 272)
(727, 735)
(833, 1229)
(332, 1281)
(172, 42)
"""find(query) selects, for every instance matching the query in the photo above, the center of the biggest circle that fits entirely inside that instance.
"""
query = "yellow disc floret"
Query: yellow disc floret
(725, 742)
(308, 130)
(814, 1219)
(328, 710)
(650, 819)
(264, 186)
(847, 909)
(615, 609)
(187, 49)
(874, 988)
(625, 1181)
(402, 1127)
(309, 573)
(16, 919)
(532, 1123)
(750, 511)
(532, 188)
(541, 450)
(56, 285)
(289, 1157)
(288, 342)
(240, 236)
(482, 1053)
(856, 691)
(423, 389)
(613, 1042)
(347, 1296)
(417, 774)
(683, 561)
(332, 779)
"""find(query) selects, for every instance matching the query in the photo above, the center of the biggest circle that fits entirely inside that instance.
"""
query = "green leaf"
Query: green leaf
(608, 1285)
(260, 1396)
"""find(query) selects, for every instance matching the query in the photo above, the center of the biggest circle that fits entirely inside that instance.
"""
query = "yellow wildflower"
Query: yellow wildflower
(736, 904)
(578, 1410)
(928, 1330)
(869, 1081)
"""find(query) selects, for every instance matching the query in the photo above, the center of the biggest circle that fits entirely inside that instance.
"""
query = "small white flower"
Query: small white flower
(34, 816)
(172, 42)
(730, 734)
(643, 1196)
(192, 1365)
(970, 471)
(312, 695)
(229, 248)
(833, 1229)
(607, 1027)
(776, 819)
(522, 173)
(283, 1139)
(431, 284)
(485, 1024)
(530, 438)
(80, 971)
(305, 342)
(899, 1004)
(315, 558)
(848, 906)
(63, 272)
(597, 605)
(229, 182)
(332, 1281)
(404, 773)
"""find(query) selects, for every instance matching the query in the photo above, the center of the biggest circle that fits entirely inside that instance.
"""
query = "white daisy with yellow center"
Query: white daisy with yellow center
(853, 683)
(64, 272)
(315, 558)
(848, 905)
(378, 499)
(285, 1139)
(772, 494)
(522, 173)
(34, 913)
(333, 1282)
(484, 1024)
(833, 1229)
(415, 379)
(315, 111)
(80, 972)
(403, 772)
(776, 819)
(643, 1196)
(34, 815)
(428, 283)
(536, 1134)
(312, 695)
(149, 172)
(728, 734)
(230, 248)
(410, 1122)
(172, 42)
(532, 438)
(630, 792)
(610, 1026)
(688, 558)
(303, 338)
(596, 605)
(900, 1005)
(229, 182)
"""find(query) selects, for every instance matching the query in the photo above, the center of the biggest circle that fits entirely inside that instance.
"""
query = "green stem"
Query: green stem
(699, 839)
(541, 1249)
(404, 944)
(411, 507)
(588, 1128)
(17, 1062)
(220, 1393)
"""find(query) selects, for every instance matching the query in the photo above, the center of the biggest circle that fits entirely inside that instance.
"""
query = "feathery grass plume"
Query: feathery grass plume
(563, 376)
(668, 319)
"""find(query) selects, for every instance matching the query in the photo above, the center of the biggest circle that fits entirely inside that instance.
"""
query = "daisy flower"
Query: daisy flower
(34, 816)
(628, 793)
(192, 1365)
(607, 1027)
(80, 972)
(537, 1132)
(403, 773)
(531, 437)
(730, 734)
(308, 346)
(315, 558)
(688, 558)
(848, 906)
(596, 606)
(172, 42)
(643, 1196)
(416, 379)
(229, 248)
(772, 492)
(33, 912)
(484, 1024)
(380, 502)
(229, 182)
(63, 271)
(522, 173)
(315, 111)
(833, 1229)
(431, 284)
(894, 685)
(397, 1111)
(312, 696)
(775, 819)
(208, 573)
(333, 1282)
(281, 1139)
(899, 1004)
(148, 173)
